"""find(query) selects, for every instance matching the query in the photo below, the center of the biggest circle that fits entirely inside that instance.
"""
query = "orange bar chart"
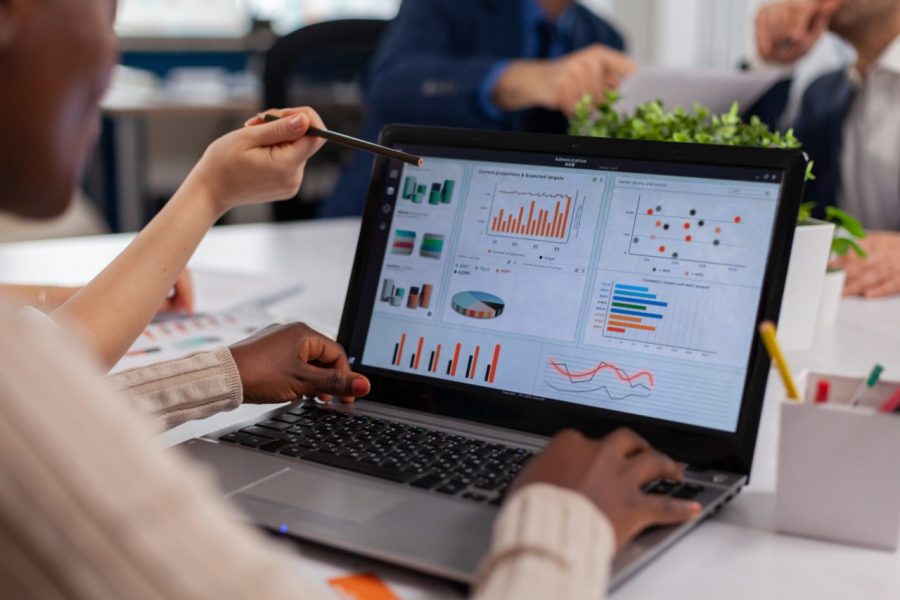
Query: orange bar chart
(532, 221)
(432, 361)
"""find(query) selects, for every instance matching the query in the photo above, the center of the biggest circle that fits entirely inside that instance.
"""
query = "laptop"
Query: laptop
(513, 286)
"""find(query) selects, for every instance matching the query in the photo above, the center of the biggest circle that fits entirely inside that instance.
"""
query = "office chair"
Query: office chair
(321, 65)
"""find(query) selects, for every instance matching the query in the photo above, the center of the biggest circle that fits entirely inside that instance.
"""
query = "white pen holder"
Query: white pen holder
(839, 467)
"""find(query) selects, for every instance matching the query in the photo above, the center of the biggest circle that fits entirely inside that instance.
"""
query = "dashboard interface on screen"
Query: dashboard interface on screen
(631, 287)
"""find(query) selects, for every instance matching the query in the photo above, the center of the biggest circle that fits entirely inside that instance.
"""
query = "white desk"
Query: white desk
(734, 555)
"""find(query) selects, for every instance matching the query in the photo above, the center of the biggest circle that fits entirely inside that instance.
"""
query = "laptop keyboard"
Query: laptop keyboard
(406, 454)
(423, 458)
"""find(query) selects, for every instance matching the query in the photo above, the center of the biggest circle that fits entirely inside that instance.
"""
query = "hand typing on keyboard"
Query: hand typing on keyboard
(285, 362)
(612, 473)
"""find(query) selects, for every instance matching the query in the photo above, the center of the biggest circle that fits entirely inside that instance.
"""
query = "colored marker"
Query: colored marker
(767, 333)
(892, 404)
(822, 391)
(866, 385)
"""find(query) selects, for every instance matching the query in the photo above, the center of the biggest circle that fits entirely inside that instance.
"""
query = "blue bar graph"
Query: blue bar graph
(634, 313)
(640, 301)
(633, 288)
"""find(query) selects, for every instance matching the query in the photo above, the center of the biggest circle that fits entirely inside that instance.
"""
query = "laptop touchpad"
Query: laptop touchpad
(334, 497)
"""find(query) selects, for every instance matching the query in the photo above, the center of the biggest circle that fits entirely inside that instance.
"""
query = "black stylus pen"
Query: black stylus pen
(352, 142)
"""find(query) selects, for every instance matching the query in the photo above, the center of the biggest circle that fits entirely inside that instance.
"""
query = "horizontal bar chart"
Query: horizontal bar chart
(629, 310)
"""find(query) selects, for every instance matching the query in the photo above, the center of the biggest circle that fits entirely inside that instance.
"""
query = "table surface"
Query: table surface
(735, 554)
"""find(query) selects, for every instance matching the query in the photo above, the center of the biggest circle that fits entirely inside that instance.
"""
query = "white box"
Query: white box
(839, 467)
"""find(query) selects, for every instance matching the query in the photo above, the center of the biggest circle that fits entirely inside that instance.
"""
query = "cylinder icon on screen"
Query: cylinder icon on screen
(425, 298)
(413, 300)
(387, 290)
(447, 192)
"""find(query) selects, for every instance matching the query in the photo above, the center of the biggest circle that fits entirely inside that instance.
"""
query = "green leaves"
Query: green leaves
(651, 121)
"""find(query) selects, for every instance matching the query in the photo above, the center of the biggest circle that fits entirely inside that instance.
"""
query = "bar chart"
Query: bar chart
(668, 316)
(633, 309)
(476, 364)
(538, 216)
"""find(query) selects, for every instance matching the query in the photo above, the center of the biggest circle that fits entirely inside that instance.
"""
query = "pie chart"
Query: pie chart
(478, 305)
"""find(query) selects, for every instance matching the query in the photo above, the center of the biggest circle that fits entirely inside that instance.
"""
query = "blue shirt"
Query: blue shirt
(534, 17)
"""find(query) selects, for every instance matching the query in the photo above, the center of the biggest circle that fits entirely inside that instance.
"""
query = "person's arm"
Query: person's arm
(48, 298)
(559, 84)
(279, 364)
(571, 508)
(419, 77)
(256, 164)
(93, 507)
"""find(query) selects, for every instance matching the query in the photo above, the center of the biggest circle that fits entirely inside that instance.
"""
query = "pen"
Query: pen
(358, 144)
(869, 383)
(891, 404)
(767, 333)
(822, 391)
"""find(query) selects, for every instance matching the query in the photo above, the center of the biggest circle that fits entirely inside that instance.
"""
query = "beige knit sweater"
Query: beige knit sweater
(92, 506)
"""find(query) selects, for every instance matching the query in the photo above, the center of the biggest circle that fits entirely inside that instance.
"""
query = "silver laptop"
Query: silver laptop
(511, 287)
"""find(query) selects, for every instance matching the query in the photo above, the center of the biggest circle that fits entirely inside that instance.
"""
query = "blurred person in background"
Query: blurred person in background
(849, 121)
(516, 65)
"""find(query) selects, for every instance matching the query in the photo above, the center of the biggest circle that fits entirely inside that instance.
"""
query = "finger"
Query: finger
(333, 382)
(665, 510)
(869, 278)
(652, 465)
(618, 62)
(888, 287)
(282, 131)
(625, 442)
(184, 293)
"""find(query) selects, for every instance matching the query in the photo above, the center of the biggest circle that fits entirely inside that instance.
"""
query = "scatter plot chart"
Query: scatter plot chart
(681, 228)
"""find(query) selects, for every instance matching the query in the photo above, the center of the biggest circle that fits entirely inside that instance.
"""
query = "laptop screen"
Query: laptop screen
(627, 286)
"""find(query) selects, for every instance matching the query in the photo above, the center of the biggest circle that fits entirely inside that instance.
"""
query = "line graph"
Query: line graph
(603, 380)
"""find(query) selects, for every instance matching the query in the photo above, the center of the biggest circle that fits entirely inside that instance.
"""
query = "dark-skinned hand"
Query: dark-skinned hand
(284, 362)
(610, 472)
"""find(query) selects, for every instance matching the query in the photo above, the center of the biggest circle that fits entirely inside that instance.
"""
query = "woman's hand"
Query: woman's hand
(284, 362)
(181, 300)
(262, 162)
(611, 472)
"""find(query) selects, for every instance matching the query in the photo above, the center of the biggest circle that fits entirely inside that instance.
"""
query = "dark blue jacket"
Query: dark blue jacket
(819, 126)
(431, 67)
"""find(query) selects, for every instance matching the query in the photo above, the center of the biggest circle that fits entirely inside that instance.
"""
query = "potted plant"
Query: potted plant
(814, 240)
(848, 230)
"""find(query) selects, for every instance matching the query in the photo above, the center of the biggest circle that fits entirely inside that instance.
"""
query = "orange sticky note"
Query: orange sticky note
(362, 586)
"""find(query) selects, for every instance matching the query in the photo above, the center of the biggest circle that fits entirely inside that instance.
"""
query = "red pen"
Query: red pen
(822, 391)
(891, 404)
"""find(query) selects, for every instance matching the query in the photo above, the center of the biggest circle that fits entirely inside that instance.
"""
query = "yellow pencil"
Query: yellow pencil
(767, 333)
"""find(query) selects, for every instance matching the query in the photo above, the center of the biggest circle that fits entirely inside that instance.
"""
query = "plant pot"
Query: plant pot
(803, 288)
(832, 292)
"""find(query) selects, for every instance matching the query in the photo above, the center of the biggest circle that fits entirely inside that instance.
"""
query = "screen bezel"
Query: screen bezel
(694, 445)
